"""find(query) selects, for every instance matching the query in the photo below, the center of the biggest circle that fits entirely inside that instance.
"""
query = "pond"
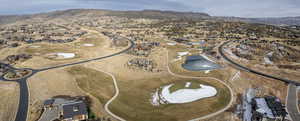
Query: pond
(199, 63)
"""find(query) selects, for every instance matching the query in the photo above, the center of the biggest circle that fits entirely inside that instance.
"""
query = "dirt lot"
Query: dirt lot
(9, 100)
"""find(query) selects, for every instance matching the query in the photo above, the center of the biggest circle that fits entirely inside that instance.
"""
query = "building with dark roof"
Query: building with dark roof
(61, 109)
(75, 111)
(48, 103)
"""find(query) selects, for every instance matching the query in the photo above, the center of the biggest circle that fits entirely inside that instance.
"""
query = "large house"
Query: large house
(64, 110)
(75, 111)
(268, 108)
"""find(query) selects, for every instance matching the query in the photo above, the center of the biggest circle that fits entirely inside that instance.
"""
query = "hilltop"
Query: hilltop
(149, 14)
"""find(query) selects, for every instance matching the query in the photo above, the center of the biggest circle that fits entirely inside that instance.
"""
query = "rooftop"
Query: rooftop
(73, 109)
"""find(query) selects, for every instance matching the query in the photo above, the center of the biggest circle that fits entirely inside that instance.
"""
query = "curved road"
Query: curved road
(212, 114)
(24, 95)
(23, 99)
(291, 99)
(220, 49)
(292, 102)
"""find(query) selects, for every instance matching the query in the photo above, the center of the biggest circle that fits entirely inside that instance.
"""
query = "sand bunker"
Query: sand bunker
(164, 96)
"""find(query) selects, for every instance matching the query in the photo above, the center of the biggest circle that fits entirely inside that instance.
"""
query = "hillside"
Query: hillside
(150, 14)
(269, 20)
(12, 18)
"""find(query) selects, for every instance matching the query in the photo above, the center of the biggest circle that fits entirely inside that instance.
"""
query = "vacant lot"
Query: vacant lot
(9, 100)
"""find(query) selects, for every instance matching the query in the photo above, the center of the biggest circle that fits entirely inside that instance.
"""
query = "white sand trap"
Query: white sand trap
(182, 95)
(88, 45)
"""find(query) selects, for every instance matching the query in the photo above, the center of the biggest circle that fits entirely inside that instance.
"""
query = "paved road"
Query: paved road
(292, 91)
(292, 103)
(212, 114)
(23, 101)
(24, 95)
(220, 49)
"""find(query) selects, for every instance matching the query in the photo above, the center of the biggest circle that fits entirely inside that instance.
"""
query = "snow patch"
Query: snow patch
(34, 46)
(188, 84)
(207, 58)
(61, 55)
(66, 55)
(88, 45)
(171, 43)
(182, 95)
(182, 53)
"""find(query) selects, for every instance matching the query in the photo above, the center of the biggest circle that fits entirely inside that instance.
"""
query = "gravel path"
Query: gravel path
(113, 98)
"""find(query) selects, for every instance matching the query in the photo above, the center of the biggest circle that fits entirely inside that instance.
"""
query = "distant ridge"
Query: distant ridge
(286, 21)
(6, 19)
(152, 14)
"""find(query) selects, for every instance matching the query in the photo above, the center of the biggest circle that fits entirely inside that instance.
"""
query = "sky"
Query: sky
(237, 8)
